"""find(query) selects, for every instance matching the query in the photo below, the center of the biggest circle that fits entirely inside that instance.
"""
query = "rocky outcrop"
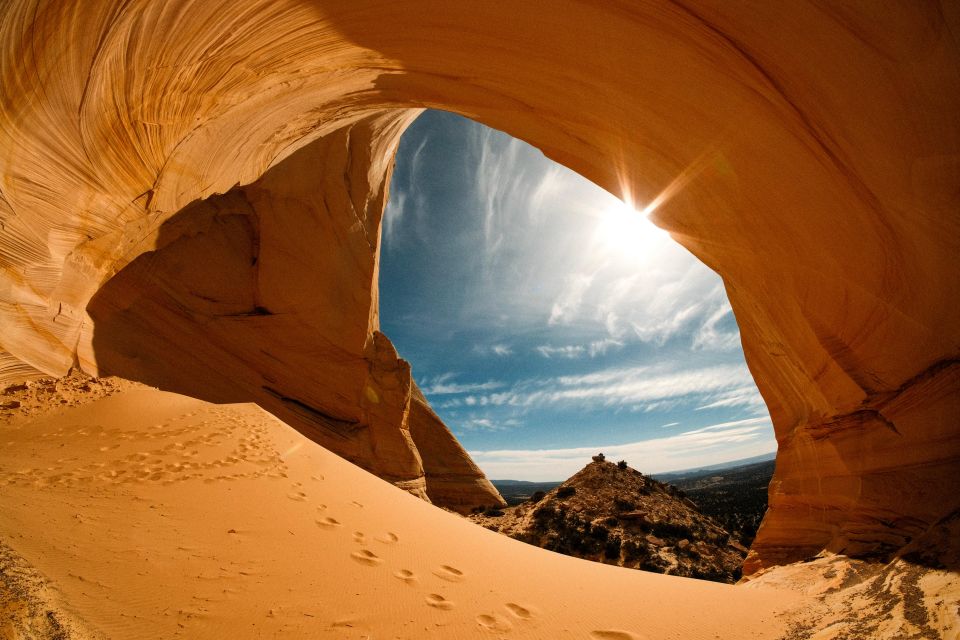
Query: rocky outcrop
(614, 514)
(860, 599)
(248, 296)
(809, 154)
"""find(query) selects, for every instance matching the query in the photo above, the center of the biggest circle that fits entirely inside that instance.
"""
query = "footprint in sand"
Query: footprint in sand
(328, 522)
(299, 496)
(388, 538)
(359, 537)
(321, 507)
(613, 634)
(521, 612)
(448, 573)
(366, 557)
(437, 601)
(493, 623)
(405, 575)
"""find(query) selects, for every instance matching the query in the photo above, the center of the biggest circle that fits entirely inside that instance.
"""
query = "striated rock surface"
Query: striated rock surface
(190, 194)
(858, 599)
(251, 298)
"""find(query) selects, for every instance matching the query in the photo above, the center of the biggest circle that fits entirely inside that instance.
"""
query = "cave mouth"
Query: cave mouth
(546, 320)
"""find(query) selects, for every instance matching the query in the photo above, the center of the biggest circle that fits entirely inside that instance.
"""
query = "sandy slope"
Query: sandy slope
(156, 515)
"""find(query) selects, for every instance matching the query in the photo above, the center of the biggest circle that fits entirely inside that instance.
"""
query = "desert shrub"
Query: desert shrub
(611, 550)
(492, 512)
(567, 541)
(599, 457)
(622, 464)
(544, 514)
(671, 530)
(599, 532)
(566, 492)
(537, 496)
(633, 550)
(622, 504)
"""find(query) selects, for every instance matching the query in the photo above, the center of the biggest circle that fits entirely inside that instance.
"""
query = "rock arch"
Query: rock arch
(810, 154)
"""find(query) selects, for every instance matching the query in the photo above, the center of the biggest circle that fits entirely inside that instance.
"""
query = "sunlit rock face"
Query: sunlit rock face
(191, 192)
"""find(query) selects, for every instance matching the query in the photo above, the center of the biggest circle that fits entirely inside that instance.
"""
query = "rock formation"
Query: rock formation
(619, 516)
(230, 160)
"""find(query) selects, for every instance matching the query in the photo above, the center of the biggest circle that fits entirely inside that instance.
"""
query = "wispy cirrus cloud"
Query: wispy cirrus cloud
(746, 396)
(505, 185)
(600, 347)
(568, 304)
(696, 447)
(713, 336)
(636, 388)
(499, 350)
(593, 349)
(568, 351)
(487, 424)
(446, 387)
(405, 196)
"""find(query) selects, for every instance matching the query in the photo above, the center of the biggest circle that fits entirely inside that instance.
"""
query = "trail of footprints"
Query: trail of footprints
(190, 453)
(188, 457)
(492, 621)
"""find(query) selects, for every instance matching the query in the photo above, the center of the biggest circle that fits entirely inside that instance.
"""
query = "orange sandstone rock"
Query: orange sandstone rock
(190, 194)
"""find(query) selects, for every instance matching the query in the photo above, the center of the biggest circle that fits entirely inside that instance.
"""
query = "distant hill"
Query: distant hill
(517, 491)
(684, 473)
(616, 515)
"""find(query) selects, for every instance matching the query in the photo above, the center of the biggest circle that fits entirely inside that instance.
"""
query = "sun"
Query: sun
(625, 232)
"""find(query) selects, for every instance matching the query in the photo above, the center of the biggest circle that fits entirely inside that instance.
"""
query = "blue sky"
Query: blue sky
(547, 321)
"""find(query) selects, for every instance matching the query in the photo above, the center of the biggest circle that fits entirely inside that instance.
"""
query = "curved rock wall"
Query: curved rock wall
(809, 153)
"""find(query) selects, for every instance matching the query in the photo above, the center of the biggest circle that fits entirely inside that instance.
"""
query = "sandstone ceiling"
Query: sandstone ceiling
(191, 193)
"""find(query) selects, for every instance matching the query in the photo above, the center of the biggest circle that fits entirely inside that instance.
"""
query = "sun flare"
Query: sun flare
(628, 233)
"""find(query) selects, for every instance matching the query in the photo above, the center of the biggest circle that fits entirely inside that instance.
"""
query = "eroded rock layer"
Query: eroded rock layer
(809, 153)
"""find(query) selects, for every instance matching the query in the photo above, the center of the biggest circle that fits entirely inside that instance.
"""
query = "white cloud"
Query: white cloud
(400, 201)
(699, 447)
(486, 424)
(572, 351)
(393, 215)
(710, 337)
(500, 350)
(635, 388)
(501, 182)
(569, 351)
(745, 396)
(446, 388)
(600, 347)
(568, 304)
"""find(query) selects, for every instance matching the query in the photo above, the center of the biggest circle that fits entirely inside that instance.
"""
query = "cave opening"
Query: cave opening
(546, 321)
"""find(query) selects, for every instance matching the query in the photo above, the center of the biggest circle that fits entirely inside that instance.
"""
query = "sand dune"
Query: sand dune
(157, 515)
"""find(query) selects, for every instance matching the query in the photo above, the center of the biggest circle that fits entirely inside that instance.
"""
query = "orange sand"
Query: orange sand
(157, 515)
